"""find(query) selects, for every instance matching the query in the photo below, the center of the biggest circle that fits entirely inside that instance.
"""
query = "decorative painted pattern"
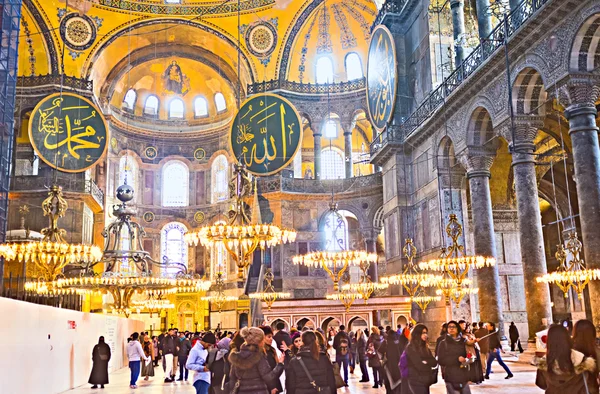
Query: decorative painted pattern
(304, 50)
(261, 38)
(40, 21)
(364, 25)
(347, 38)
(183, 9)
(324, 41)
(29, 42)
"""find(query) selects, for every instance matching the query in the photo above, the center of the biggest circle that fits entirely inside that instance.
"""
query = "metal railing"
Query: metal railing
(306, 88)
(69, 183)
(497, 39)
(280, 183)
(55, 80)
(389, 7)
(14, 287)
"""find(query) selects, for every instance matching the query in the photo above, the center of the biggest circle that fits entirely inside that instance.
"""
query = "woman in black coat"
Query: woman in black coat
(373, 345)
(452, 354)
(100, 359)
(420, 363)
(316, 363)
(361, 354)
(271, 357)
(250, 370)
(391, 349)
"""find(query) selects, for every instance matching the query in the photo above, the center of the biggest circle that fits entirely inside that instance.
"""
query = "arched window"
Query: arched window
(220, 179)
(335, 229)
(353, 67)
(200, 107)
(330, 129)
(332, 164)
(218, 259)
(151, 106)
(175, 180)
(324, 70)
(176, 109)
(220, 102)
(128, 170)
(173, 247)
(129, 100)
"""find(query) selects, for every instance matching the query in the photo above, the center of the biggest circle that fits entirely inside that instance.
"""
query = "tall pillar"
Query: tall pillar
(583, 131)
(458, 28)
(348, 152)
(484, 19)
(478, 174)
(537, 295)
(317, 151)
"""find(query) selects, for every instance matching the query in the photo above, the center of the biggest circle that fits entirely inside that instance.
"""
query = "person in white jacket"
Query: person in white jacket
(197, 362)
(135, 354)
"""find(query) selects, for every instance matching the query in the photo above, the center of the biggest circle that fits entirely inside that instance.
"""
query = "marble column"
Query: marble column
(582, 113)
(317, 151)
(484, 19)
(458, 29)
(537, 295)
(348, 152)
(488, 280)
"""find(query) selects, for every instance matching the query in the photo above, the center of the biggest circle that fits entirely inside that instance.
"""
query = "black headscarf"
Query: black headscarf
(101, 340)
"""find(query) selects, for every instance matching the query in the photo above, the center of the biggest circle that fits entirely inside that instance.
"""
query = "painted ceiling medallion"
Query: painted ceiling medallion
(261, 39)
(78, 31)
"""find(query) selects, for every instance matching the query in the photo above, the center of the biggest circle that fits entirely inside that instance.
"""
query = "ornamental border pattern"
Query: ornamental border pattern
(191, 10)
(46, 32)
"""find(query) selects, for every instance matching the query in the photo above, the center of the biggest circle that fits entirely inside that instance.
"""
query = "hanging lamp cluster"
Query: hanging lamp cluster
(365, 287)
(241, 237)
(218, 296)
(269, 295)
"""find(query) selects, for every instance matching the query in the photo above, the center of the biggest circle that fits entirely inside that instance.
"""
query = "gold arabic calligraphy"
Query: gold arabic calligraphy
(382, 97)
(50, 122)
(259, 119)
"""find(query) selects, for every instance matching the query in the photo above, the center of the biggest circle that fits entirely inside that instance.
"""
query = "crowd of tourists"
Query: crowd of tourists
(260, 360)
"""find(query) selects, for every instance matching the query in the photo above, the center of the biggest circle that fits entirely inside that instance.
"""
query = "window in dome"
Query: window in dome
(330, 129)
(129, 100)
(151, 107)
(220, 102)
(200, 107)
(353, 67)
(173, 1)
(175, 181)
(332, 166)
(220, 179)
(176, 109)
(324, 70)
(173, 247)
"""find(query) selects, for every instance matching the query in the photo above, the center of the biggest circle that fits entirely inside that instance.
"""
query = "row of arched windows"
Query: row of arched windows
(176, 107)
(175, 180)
(324, 68)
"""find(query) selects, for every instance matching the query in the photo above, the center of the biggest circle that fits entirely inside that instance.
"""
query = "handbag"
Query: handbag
(318, 389)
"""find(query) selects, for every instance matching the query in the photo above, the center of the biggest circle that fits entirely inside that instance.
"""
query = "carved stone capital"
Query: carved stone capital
(579, 91)
(525, 129)
(478, 166)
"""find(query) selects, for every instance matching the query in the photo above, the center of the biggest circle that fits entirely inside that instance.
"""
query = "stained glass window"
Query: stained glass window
(335, 228)
(220, 179)
(173, 247)
(175, 181)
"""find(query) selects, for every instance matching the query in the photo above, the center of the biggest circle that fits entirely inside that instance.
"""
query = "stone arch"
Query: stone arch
(585, 49)
(273, 324)
(378, 218)
(403, 320)
(445, 154)
(326, 321)
(305, 321)
(480, 130)
(529, 95)
(356, 319)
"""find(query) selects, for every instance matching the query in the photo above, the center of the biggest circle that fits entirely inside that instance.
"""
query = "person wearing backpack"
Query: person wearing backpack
(417, 364)
(341, 344)
(100, 359)
(310, 371)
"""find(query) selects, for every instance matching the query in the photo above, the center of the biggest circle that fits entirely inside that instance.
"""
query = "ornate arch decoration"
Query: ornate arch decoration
(46, 34)
(303, 318)
(585, 50)
(445, 154)
(480, 130)
(139, 23)
(529, 93)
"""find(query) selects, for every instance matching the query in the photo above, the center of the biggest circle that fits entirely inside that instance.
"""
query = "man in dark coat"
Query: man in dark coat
(282, 335)
(184, 346)
(341, 344)
(100, 359)
(513, 333)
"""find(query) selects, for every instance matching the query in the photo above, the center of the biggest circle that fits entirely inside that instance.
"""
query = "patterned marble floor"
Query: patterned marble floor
(523, 383)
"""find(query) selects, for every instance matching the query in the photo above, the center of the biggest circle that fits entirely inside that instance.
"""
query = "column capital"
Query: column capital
(456, 3)
(478, 165)
(578, 91)
(525, 130)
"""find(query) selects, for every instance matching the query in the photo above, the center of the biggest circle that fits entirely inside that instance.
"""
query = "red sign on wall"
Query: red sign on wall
(71, 324)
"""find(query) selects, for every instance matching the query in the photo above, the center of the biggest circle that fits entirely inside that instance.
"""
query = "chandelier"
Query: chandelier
(219, 298)
(335, 263)
(413, 280)
(455, 264)
(365, 287)
(52, 253)
(269, 295)
(128, 268)
(240, 236)
(571, 271)
(153, 304)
